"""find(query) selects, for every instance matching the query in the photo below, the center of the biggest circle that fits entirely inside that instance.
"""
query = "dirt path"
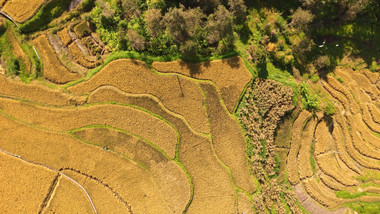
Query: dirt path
(60, 173)
(308, 203)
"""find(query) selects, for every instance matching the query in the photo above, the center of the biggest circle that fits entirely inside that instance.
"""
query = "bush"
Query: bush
(329, 109)
(309, 102)
(13, 66)
(322, 62)
(86, 6)
(314, 78)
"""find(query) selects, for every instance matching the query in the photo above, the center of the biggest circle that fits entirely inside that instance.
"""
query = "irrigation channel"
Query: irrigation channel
(59, 173)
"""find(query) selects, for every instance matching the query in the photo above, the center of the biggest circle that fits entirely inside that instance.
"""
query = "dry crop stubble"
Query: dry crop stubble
(327, 164)
(365, 134)
(37, 93)
(362, 147)
(367, 118)
(213, 190)
(24, 185)
(351, 150)
(227, 138)
(179, 94)
(292, 162)
(230, 75)
(68, 198)
(314, 190)
(21, 11)
(304, 165)
(123, 117)
(105, 201)
(353, 86)
(53, 70)
(336, 95)
(336, 85)
(344, 156)
(64, 36)
(58, 150)
(163, 169)
(18, 51)
(331, 182)
(365, 84)
(375, 112)
(323, 139)
(81, 58)
(372, 76)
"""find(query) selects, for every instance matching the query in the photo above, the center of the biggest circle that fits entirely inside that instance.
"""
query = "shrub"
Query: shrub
(13, 66)
(309, 102)
(322, 62)
(314, 78)
(329, 109)
(86, 6)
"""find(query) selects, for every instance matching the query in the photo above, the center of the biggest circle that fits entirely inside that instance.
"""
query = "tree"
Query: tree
(129, 8)
(137, 41)
(335, 10)
(301, 18)
(183, 23)
(238, 8)
(153, 20)
(219, 25)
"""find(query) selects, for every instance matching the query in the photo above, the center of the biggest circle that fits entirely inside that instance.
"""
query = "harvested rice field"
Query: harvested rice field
(127, 140)
(20, 11)
(341, 149)
(215, 107)
(53, 70)
(230, 75)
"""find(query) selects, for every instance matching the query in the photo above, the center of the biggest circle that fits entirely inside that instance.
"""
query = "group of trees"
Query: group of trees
(190, 28)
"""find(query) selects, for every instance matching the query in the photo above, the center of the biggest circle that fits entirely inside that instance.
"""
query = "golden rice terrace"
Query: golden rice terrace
(102, 111)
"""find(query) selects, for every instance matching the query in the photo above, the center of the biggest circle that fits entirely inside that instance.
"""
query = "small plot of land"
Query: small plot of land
(23, 185)
(20, 11)
(53, 70)
(230, 75)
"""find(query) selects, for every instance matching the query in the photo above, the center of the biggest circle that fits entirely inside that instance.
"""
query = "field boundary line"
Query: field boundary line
(55, 170)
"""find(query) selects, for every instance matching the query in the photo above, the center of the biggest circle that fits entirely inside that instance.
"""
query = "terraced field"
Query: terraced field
(122, 141)
(346, 146)
(24, 12)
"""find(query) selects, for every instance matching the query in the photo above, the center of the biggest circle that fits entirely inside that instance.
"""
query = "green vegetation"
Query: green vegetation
(363, 207)
(309, 102)
(329, 109)
(45, 15)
